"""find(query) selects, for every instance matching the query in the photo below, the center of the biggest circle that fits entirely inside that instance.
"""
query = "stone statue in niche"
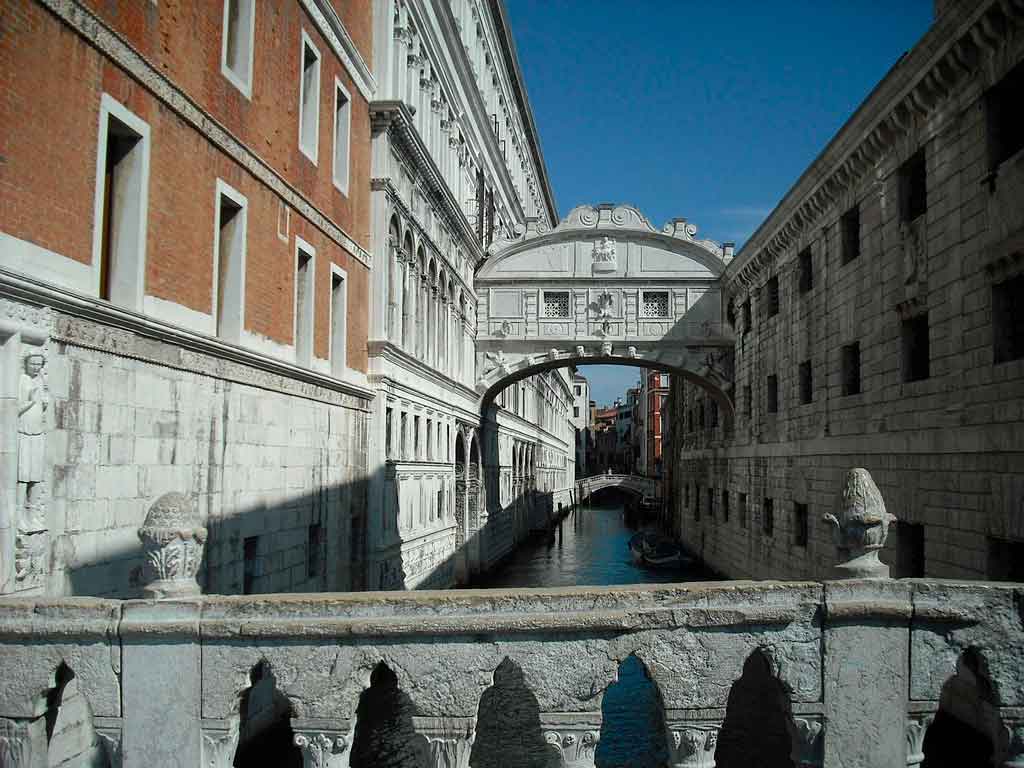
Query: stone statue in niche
(33, 408)
(861, 529)
(913, 251)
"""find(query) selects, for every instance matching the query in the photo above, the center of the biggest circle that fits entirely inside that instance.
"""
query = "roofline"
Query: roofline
(500, 16)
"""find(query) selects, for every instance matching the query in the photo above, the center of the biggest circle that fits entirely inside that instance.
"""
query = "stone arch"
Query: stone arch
(385, 736)
(633, 728)
(265, 734)
(966, 731)
(508, 729)
(460, 327)
(441, 331)
(474, 504)
(758, 727)
(430, 345)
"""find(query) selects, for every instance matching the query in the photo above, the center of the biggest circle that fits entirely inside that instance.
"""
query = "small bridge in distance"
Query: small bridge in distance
(636, 484)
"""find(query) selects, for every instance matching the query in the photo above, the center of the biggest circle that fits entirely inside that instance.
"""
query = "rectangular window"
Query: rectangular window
(575, 411)
(725, 505)
(120, 205)
(748, 401)
(806, 270)
(556, 304)
(696, 502)
(711, 504)
(430, 439)
(686, 495)
(1004, 111)
(742, 502)
(800, 525)
(768, 517)
(342, 132)
(1008, 320)
(577, 390)
(915, 348)
(714, 414)
(909, 550)
(655, 304)
(229, 244)
(250, 563)
(806, 383)
(314, 550)
(850, 231)
(304, 296)
(747, 316)
(1005, 560)
(416, 438)
(772, 402)
(851, 368)
(388, 425)
(237, 44)
(771, 290)
(913, 187)
(309, 99)
(404, 435)
(339, 321)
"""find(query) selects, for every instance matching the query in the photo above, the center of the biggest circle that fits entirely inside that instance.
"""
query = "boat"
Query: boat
(666, 554)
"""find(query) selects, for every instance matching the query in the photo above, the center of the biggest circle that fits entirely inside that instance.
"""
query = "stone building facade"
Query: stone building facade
(877, 318)
(456, 165)
(184, 265)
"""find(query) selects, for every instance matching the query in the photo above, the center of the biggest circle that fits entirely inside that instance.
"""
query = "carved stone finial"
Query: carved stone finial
(861, 529)
(173, 538)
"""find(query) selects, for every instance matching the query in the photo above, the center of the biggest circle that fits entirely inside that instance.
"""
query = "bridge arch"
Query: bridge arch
(604, 286)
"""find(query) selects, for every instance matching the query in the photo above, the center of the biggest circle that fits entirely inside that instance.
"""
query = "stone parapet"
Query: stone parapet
(838, 654)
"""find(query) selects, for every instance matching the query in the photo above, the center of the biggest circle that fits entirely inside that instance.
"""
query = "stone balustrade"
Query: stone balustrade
(866, 672)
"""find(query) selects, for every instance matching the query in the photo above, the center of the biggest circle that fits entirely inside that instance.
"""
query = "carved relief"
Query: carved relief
(914, 256)
(320, 750)
(693, 746)
(807, 737)
(20, 740)
(576, 749)
(604, 256)
(31, 551)
(173, 539)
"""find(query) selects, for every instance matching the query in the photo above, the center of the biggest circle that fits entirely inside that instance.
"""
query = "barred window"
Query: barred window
(655, 304)
(556, 303)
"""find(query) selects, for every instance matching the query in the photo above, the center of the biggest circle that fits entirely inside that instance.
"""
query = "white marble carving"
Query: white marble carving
(862, 527)
(173, 538)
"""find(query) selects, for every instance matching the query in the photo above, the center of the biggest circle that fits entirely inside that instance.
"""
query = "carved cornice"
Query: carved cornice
(86, 322)
(910, 93)
(395, 118)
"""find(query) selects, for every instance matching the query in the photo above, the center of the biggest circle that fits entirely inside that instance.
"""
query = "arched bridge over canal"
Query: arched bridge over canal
(635, 484)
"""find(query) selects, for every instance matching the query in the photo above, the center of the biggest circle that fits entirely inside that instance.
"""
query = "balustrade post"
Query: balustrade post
(691, 744)
(448, 740)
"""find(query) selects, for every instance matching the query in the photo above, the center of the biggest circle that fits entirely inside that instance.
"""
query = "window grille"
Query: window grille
(556, 304)
(655, 304)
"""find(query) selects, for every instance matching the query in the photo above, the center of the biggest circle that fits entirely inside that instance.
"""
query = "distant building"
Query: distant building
(654, 387)
(582, 415)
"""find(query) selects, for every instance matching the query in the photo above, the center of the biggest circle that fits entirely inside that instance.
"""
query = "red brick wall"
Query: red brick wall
(49, 113)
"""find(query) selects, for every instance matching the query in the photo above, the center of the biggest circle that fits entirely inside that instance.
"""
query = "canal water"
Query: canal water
(591, 548)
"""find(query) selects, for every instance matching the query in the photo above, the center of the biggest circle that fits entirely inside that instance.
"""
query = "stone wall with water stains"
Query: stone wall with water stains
(865, 673)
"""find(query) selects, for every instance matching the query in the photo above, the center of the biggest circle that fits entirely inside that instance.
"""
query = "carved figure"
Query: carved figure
(497, 361)
(604, 255)
(861, 528)
(173, 539)
(33, 405)
(606, 349)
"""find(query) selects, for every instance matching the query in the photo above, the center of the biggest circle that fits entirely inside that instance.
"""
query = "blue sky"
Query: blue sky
(709, 111)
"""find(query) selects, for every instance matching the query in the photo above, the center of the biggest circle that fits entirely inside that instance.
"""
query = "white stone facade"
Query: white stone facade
(869, 333)
(448, 179)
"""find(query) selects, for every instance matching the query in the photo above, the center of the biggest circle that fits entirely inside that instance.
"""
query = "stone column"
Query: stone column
(448, 741)
(866, 634)
(917, 726)
(691, 744)
(322, 748)
(220, 741)
(162, 684)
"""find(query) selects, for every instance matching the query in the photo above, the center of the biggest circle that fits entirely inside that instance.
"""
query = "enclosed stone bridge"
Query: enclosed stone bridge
(634, 484)
(865, 673)
(604, 286)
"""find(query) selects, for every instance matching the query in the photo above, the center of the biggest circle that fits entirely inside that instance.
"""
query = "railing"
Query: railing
(858, 672)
